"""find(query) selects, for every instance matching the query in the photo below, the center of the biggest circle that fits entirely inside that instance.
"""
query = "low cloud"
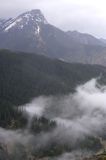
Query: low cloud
(77, 115)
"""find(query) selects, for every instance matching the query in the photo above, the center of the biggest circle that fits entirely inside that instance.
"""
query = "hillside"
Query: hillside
(24, 76)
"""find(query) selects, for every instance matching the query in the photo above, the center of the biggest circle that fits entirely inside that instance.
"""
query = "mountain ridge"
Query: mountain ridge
(30, 32)
(85, 38)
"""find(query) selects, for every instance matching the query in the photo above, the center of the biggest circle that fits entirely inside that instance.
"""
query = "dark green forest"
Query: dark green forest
(24, 76)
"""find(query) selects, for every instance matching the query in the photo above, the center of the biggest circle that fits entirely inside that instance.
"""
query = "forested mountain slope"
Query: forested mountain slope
(24, 76)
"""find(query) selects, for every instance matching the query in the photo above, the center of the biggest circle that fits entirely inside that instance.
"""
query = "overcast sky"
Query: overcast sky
(83, 15)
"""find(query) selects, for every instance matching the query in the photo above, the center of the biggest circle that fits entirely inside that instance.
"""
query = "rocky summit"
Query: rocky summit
(30, 32)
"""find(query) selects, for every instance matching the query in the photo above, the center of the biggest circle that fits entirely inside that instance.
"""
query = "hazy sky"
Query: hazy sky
(83, 15)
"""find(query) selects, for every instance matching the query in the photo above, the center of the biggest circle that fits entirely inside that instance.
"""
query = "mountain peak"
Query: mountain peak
(36, 11)
(35, 14)
(32, 18)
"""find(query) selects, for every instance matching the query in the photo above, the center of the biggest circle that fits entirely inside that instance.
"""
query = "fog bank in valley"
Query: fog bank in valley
(77, 115)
